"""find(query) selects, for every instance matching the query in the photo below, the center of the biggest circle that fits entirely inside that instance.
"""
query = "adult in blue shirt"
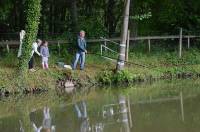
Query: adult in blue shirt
(81, 51)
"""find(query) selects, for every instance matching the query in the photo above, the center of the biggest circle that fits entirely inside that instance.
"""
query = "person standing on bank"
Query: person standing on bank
(35, 46)
(44, 51)
(81, 51)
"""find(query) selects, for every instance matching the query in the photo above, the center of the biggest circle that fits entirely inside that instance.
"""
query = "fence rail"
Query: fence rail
(15, 42)
(179, 37)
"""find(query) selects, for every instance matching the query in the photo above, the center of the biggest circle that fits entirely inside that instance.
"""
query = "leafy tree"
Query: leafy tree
(33, 8)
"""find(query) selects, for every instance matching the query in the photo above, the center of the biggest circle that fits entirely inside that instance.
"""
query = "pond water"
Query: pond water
(167, 106)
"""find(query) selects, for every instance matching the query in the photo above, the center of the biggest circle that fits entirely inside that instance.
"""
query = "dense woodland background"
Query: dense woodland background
(63, 18)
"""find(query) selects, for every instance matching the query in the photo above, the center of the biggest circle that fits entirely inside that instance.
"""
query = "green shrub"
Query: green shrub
(105, 77)
(110, 77)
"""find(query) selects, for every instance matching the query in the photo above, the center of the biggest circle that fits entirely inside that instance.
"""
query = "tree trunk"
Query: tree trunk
(121, 59)
(33, 8)
(110, 17)
(52, 17)
(74, 15)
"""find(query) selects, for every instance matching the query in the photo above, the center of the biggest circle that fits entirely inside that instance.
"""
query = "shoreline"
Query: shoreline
(81, 81)
(98, 72)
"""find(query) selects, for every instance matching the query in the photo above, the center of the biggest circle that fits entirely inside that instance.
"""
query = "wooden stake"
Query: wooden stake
(149, 45)
(105, 44)
(188, 42)
(58, 47)
(101, 50)
(180, 43)
(127, 45)
(8, 48)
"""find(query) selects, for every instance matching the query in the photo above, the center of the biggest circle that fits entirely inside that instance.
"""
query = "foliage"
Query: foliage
(32, 22)
(93, 27)
(104, 17)
(120, 77)
(5, 9)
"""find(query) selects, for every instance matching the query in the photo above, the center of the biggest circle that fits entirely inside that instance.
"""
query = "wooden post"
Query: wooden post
(105, 44)
(101, 50)
(149, 45)
(188, 42)
(182, 108)
(124, 113)
(122, 54)
(180, 43)
(8, 48)
(127, 45)
(58, 48)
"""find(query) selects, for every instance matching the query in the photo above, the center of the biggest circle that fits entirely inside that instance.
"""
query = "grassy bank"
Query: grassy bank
(141, 67)
(156, 65)
(46, 79)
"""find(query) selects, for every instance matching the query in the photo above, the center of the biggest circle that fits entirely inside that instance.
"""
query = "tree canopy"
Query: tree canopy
(103, 17)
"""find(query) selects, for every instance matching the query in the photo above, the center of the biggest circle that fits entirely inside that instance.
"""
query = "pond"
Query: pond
(166, 106)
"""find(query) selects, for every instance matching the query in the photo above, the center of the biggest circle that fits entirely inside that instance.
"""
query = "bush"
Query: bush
(120, 77)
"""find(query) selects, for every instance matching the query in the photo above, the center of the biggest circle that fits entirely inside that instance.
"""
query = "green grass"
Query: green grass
(45, 79)
(155, 64)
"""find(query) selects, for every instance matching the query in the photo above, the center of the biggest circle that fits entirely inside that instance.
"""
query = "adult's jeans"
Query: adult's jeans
(79, 56)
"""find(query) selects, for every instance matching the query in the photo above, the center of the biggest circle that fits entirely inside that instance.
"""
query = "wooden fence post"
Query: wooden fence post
(149, 45)
(127, 45)
(101, 50)
(58, 44)
(188, 42)
(180, 42)
(8, 48)
(105, 44)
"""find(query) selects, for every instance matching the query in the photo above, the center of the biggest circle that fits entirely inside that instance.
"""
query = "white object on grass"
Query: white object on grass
(68, 67)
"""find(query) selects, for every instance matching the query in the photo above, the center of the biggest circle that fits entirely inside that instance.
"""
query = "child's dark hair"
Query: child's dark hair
(44, 42)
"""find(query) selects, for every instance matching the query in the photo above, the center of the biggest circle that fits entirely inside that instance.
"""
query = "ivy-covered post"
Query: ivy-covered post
(32, 11)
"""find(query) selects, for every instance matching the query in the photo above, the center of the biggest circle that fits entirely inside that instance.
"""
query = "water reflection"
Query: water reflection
(85, 126)
(46, 123)
(116, 114)
(21, 129)
(81, 110)
(124, 114)
(106, 113)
